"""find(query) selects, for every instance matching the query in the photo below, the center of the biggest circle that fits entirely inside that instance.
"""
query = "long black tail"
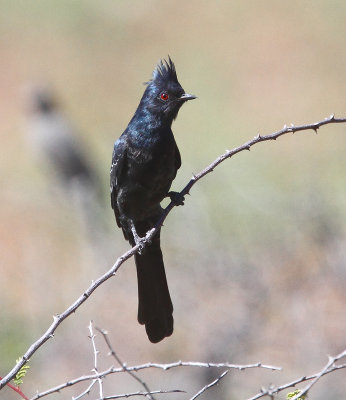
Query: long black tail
(155, 307)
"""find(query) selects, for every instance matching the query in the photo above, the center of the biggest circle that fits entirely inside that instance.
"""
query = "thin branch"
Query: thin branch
(17, 389)
(132, 374)
(58, 319)
(271, 391)
(95, 369)
(327, 368)
(164, 367)
(126, 395)
(211, 384)
(86, 391)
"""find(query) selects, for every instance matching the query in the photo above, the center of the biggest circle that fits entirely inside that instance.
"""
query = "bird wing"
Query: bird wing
(117, 169)
(177, 158)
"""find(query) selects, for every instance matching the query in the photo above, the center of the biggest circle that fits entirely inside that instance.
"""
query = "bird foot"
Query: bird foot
(177, 198)
(140, 241)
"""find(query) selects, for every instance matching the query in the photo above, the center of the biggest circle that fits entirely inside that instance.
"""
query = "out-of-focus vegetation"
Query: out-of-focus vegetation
(256, 259)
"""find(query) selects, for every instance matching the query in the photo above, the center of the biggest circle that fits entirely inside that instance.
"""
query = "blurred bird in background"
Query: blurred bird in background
(53, 137)
(144, 163)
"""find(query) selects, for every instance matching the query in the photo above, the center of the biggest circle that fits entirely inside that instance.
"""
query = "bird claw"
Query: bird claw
(140, 241)
(177, 198)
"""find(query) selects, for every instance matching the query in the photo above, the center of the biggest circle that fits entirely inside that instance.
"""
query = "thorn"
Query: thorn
(248, 147)
(56, 317)
(285, 127)
(331, 117)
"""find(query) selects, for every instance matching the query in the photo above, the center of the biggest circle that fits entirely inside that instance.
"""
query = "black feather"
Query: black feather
(144, 163)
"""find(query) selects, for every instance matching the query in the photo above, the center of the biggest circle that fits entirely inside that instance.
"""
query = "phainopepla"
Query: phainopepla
(144, 163)
(55, 138)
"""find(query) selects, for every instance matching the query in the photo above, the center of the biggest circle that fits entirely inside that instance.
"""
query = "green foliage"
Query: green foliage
(292, 394)
(18, 380)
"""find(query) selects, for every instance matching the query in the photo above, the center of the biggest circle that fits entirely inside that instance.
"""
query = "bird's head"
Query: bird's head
(39, 98)
(164, 95)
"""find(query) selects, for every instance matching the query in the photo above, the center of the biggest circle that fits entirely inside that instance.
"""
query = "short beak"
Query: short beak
(186, 96)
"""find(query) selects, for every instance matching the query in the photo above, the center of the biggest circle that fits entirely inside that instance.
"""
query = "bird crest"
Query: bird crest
(164, 72)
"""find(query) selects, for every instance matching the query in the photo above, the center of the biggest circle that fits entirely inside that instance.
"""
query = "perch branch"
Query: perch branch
(59, 318)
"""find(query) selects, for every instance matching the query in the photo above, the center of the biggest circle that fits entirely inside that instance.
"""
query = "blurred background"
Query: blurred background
(256, 259)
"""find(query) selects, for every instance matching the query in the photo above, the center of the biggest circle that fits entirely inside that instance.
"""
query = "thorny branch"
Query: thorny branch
(329, 367)
(59, 318)
(211, 384)
(95, 368)
(165, 367)
(146, 394)
(132, 374)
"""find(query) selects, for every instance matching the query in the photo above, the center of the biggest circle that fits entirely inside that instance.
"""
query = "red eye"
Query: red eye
(164, 96)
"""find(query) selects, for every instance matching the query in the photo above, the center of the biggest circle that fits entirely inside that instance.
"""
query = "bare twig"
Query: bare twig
(86, 391)
(132, 374)
(164, 367)
(95, 369)
(17, 389)
(327, 368)
(330, 367)
(247, 146)
(126, 395)
(58, 319)
(211, 384)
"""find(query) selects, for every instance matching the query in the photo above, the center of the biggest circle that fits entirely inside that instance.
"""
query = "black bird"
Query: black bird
(52, 135)
(55, 138)
(144, 163)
